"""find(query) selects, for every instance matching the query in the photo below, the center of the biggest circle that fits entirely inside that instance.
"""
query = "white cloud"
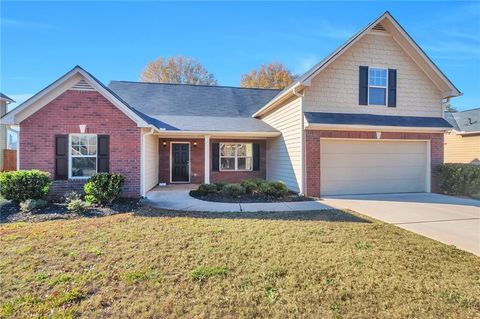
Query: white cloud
(23, 24)
(305, 64)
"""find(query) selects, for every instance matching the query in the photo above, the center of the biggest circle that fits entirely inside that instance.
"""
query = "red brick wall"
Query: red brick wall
(312, 148)
(63, 115)
(197, 158)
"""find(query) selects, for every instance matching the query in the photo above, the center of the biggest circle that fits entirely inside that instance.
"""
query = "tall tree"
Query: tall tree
(271, 76)
(177, 69)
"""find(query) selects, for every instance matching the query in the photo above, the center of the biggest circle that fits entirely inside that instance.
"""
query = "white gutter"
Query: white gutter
(275, 100)
(216, 134)
(374, 128)
(143, 160)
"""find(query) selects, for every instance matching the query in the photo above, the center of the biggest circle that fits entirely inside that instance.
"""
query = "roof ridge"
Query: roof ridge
(201, 85)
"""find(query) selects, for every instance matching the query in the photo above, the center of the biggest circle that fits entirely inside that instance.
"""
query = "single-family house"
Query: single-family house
(366, 119)
(462, 142)
(5, 134)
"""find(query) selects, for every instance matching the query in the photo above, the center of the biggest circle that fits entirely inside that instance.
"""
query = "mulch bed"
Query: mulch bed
(247, 198)
(10, 212)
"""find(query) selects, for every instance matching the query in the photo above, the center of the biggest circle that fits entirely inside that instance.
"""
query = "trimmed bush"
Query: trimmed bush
(71, 196)
(233, 190)
(250, 187)
(19, 186)
(219, 185)
(459, 179)
(32, 204)
(103, 188)
(77, 206)
(205, 189)
(274, 189)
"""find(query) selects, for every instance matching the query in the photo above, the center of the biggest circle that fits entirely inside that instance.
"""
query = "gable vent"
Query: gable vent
(82, 85)
(379, 27)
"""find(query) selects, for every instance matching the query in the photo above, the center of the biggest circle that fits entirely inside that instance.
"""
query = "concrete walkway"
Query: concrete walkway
(448, 219)
(178, 198)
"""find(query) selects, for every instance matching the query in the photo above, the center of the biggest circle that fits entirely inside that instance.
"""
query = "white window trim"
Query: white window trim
(236, 157)
(377, 86)
(70, 156)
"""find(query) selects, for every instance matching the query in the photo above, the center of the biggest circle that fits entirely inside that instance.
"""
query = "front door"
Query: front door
(180, 162)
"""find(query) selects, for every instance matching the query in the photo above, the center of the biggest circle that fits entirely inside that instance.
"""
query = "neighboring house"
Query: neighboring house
(366, 119)
(4, 101)
(462, 143)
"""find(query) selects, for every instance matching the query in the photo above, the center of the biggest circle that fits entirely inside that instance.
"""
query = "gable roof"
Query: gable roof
(388, 23)
(62, 84)
(465, 122)
(3, 97)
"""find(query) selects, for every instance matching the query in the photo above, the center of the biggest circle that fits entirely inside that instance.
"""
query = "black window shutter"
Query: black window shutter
(363, 86)
(392, 88)
(256, 156)
(61, 157)
(103, 155)
(215, 156)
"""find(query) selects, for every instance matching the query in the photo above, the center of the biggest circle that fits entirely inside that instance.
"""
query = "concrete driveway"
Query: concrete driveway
(451, 220)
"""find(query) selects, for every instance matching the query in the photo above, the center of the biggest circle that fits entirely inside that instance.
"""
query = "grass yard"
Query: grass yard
(157, 264)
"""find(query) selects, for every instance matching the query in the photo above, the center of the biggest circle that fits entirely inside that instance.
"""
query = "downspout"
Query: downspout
(302, 147)
(142, 171)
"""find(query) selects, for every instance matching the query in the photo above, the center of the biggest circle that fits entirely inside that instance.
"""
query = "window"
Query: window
(377, 86)
(83, 155)
(236, 157)
(12, 139)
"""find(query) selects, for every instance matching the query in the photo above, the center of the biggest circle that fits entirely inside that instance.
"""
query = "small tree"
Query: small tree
(178, 69)
(271, 76)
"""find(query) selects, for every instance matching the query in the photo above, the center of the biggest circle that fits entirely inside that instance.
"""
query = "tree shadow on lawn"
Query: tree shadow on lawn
(334, 215)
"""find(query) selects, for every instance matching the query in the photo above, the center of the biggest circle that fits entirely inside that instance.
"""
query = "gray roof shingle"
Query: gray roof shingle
(465, 121)
(196, 107)
(375, 120)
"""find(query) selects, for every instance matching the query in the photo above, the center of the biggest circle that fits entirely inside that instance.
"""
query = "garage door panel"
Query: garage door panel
(366, 167)
(367, 160)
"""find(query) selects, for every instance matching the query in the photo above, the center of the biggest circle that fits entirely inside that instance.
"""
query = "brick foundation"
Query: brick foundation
(63, 115)
(312, 149)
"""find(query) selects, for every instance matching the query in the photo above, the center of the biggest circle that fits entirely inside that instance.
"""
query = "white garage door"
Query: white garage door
(372, 166)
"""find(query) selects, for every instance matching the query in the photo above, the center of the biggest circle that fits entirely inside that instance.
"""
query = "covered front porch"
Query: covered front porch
(194, 158)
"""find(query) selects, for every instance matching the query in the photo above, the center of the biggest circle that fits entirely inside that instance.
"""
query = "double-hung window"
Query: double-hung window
(83, 155)
(377, 86)
(236, 156)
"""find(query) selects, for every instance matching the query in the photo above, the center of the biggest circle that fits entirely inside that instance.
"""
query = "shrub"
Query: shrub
(233, 190)
(19, 186)
(250, 187)
(205, 189)
(77, 206)
(274, 189)
(32, 204)
(459, 179)
(257, 181)
(219, 185)
(71, 196)
(103, 188)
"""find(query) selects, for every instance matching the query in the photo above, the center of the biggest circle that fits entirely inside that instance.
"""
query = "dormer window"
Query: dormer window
(377, 86)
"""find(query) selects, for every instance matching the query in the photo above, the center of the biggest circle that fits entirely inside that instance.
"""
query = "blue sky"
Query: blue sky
(40, 41)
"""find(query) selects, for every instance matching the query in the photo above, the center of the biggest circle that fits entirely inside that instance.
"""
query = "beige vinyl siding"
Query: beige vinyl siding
(284, 153)
(335, 89)
(3, 133)
(151, 161)
(462, 149)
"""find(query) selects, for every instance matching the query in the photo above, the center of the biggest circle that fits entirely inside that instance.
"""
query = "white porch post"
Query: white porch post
(207, 160)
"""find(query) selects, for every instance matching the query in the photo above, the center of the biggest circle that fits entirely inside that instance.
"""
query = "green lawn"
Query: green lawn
(156, 264)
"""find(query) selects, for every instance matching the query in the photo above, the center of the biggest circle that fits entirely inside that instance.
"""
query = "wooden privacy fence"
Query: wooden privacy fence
(9, 160)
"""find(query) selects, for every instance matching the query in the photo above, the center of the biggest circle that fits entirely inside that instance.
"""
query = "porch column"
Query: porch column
(207, 160)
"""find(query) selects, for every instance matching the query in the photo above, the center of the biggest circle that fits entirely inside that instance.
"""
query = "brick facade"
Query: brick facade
(63, 115)
(197, 159)
(312, 149)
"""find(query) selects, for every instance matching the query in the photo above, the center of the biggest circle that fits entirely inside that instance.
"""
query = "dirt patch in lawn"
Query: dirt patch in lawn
(9, 212)
(249, 198)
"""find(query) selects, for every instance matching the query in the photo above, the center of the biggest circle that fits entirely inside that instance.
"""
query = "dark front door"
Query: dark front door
(180, 162)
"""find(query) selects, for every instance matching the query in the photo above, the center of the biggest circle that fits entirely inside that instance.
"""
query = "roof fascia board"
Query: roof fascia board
(374, 128)
(59, 86)
(218, 133)
(276, 100)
